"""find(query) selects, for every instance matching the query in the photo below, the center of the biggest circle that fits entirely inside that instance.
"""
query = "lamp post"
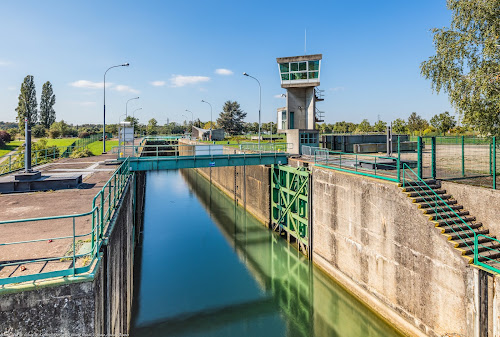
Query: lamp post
(211, 123)
(260, 101)
(192, 117)
(133, 125)
(126, 105)
(104, 114)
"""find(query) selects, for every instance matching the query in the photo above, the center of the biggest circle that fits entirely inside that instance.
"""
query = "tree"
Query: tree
(379, 126)
(61, 128)
(207, 125)
(340, 127)
(152, 125)
(443, 122)
(416, 123)
(364, 126)
(39, 131)
(133, 121)
(231, 118)
(399, 126)
(467, 62)
(47, 101)
(27, 105)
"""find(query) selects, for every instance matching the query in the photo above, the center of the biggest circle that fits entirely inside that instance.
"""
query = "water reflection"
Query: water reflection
(208, 268)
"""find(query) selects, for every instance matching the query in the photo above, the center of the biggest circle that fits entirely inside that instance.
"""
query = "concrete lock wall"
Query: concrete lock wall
(93, 305)
(369, 236)
(249, 185)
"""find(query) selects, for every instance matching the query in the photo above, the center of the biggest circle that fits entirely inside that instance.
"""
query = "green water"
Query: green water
(205, 267)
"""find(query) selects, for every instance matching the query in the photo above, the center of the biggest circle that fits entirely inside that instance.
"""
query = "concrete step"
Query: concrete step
(432, 198)
(439, 208)
(420, 188)
(425, 193)
(456, 228)
(456, 220)
(468, 234)
(487, 246)
(419, 183)
(488, 256)
(470, 242)
(444, 214)
(431, 204)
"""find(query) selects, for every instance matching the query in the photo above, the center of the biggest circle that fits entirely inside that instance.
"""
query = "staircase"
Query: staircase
(454, 222)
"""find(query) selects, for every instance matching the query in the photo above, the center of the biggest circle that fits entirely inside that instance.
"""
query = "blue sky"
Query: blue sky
(370, 69)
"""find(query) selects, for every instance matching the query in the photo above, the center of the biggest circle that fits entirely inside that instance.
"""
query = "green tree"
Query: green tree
(231, 118)
(416, 123)
(340, 127)
(364, 126)
(379, 126)
(467, 62)
(27, 105)
(133, 121)
(61, 128)
(443, 122)
(207, 125)
(47, 101)
(399, 126)
(39, 131)
(152, 127)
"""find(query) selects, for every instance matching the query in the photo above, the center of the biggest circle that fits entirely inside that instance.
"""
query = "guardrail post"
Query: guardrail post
(102, 211)
(494, 163)
(399, 159)
(476, 251)
(433, 157)
(419, 159)
(74, 248)
(463, 156)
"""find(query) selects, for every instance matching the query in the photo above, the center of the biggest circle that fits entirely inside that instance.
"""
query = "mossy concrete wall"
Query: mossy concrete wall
(95, 304)
(249, 185)
(369, 236)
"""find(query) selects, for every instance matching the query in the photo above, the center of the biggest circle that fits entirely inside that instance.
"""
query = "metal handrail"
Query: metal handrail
(445, 207)
(103, 205)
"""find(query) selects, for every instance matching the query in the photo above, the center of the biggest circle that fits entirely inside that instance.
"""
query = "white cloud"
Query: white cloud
(280, 96)
(125, 88)
(12, 87)
(181, 80)
(89, 84)
(158, 83)
(223, 71)
(337, 89)
(87, 103)
(4, 63)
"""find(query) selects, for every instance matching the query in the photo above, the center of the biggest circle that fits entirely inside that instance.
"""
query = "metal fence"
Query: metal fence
(19, 263)
(14, 162)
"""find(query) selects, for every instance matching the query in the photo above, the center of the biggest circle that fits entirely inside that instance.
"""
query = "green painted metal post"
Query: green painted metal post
(74, 248)
(475, 249)
(102, 211)
(463, 156)
(419, 159)
(399, 159)
(494, 163)
(433, 157)
(491, 159)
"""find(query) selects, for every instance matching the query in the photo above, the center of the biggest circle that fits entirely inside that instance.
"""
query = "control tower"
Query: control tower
(300, 76)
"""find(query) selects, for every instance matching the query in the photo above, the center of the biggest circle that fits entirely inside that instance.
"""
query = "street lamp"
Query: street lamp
(126, 105)
(210, 118)
(260, 101)
(104, 114)
(192, 117)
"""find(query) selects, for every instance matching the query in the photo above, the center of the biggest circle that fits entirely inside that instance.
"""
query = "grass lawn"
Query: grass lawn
(10, 147)
(96, 147)
(61, 142)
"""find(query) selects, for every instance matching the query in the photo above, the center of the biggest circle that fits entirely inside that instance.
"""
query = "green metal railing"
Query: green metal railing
(381, 167)
(487, 256)
(103, 205)
(15, 162)
(440, 210)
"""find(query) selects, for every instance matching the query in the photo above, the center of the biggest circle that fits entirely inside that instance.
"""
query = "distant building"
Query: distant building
(204, 134)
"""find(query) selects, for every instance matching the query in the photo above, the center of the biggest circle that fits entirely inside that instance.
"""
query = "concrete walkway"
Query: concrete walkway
(45, 204)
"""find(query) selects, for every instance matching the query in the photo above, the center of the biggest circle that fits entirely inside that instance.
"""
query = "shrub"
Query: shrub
(54, 133)
(39, 131)
(83, 134)
(2, 144)
(81, 153)
(5, 136)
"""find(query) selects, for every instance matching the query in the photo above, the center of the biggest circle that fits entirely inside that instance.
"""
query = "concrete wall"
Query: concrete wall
(480, 202)
(94, 304)
(370, 237)
(249, 185)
